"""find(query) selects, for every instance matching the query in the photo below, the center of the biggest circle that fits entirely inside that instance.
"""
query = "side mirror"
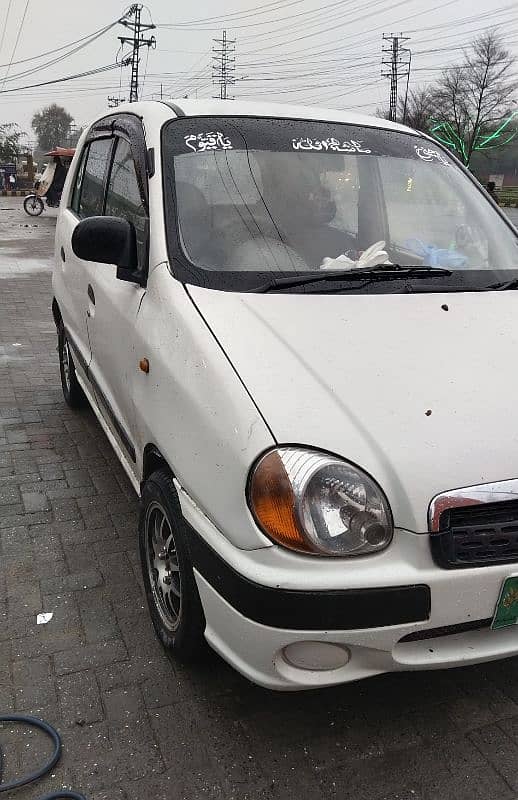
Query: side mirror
(108, 240)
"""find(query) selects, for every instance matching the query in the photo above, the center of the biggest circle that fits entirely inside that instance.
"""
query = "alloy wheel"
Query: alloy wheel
(163, 566)
(65, 360)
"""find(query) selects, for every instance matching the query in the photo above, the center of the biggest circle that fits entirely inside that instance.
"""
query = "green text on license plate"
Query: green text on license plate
(507, 607)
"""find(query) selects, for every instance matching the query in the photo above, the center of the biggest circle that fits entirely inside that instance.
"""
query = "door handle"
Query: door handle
(91, 294)
(63, 258)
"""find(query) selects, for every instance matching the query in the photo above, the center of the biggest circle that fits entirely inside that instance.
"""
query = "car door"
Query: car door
(86, 199)
(114, 304)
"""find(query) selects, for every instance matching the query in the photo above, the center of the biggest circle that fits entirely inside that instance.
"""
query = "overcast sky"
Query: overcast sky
(325, 52)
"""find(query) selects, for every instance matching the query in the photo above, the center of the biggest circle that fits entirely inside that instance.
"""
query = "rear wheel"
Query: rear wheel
(171, 590)
(72, 392)
(33, 205)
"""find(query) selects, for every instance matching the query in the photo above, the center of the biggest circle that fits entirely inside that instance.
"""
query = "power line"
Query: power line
(20, 27)
(95, 71)
(60, 58)
(145, 70)
(267, 9)
(305, 53)
(5, 25)
(89, 36)
(189, 72)
(309, 12)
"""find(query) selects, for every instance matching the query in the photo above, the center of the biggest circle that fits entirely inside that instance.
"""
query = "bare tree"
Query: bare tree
(417, 109)
(474, 99)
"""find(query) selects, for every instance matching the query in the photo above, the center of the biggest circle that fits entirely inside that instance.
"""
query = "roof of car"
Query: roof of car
(241, 108)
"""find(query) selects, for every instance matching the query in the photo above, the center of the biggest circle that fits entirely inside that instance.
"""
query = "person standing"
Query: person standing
(12, 182)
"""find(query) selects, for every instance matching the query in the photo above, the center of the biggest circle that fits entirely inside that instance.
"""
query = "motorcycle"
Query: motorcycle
(51, 182)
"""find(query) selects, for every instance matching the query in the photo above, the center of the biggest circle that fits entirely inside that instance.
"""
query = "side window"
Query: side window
(421, 204)
(344, 188)
(92, 187)
(123, 197)
(76, 191)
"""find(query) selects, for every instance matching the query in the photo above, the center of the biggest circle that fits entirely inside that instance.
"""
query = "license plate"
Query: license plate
(506, 613)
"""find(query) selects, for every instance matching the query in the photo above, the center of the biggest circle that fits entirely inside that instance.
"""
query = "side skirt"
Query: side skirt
(121, 455)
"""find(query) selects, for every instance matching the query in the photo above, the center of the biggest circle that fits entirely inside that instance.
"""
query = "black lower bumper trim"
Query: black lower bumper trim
(348, 609)
(447, 630)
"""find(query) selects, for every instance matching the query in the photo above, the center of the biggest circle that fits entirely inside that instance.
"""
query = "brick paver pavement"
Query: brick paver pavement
(134, 725)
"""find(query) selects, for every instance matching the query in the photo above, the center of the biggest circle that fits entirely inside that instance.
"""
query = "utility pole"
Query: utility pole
(136, 26)
(72, 134)
(224, 64)
(395, 64)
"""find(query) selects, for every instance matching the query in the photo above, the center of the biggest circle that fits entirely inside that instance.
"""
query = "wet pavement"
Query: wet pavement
(134, 724)
(26, 243)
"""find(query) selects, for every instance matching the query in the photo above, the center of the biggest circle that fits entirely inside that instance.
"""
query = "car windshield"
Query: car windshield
(248, 197)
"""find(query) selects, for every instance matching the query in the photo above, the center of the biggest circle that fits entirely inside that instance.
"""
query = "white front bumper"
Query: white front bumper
(458, 596)
(255, 650)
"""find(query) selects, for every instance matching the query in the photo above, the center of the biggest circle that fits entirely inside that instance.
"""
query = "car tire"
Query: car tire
(170, 586)
(72, 392)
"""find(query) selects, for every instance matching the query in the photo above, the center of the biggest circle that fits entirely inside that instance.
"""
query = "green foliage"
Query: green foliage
(52, 127)
(10, 135)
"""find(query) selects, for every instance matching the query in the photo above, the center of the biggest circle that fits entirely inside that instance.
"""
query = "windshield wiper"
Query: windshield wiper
(382, 272)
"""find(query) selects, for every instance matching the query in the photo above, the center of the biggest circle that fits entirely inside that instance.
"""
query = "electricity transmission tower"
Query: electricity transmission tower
(395, 65)
(224, 64)
(136, 26)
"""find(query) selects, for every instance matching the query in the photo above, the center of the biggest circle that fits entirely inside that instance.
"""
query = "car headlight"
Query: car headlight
(316, 503)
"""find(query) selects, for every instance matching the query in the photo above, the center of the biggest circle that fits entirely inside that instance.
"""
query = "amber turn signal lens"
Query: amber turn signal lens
(273, 504)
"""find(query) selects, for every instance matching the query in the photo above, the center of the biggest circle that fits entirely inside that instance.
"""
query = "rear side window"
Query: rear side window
(123, 198)
(91, 191)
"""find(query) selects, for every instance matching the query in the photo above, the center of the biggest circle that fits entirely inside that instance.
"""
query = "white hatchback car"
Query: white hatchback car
(294, 328)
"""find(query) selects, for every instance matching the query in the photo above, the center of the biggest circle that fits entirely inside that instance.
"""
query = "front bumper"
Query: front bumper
(378, 609)
(257, 651)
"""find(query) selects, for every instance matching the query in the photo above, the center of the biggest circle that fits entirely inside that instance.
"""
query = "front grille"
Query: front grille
(477, 536)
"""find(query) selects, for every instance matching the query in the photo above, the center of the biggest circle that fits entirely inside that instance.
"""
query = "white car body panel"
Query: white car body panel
(312, 364)
(197, 411)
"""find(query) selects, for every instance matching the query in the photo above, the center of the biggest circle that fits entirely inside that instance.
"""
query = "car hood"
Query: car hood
(419, 390)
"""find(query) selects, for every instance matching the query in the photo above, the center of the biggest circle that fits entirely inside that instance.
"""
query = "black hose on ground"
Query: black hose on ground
(22, 719)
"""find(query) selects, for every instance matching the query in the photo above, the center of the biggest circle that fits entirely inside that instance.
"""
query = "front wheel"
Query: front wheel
(171, 591)
(72, 392)
(33, 205)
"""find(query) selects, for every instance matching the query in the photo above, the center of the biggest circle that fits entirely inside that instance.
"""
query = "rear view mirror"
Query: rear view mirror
(107, 240)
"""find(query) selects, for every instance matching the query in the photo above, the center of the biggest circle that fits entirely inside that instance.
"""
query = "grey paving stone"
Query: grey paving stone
(500, 751)
(114, 793)
(80, 699)
(71, 583)
(123, 704)
(35, 501)
(9, 495)
(93, 655)
(99, 624)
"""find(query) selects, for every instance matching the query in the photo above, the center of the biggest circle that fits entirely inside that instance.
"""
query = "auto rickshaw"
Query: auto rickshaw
(50, 185)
